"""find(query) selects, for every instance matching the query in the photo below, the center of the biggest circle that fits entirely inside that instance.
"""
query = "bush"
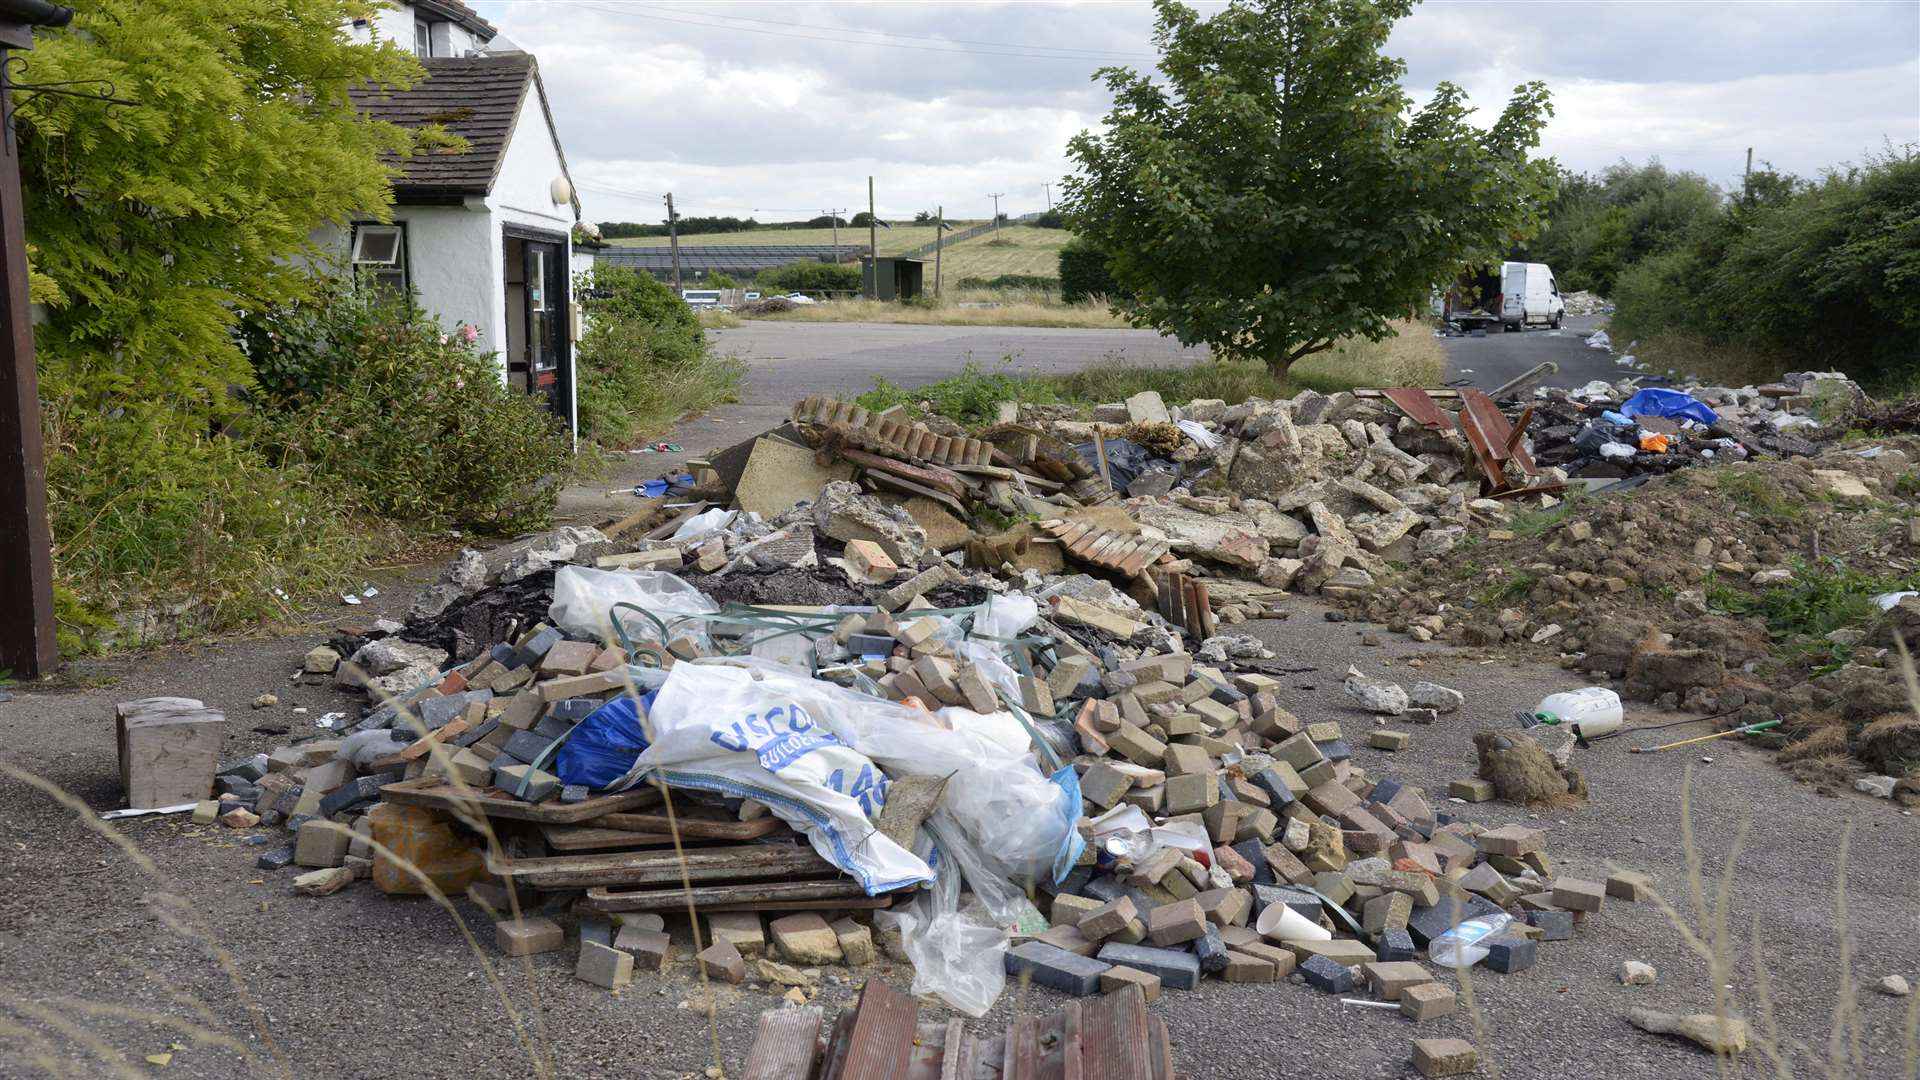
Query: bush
(1052, 219)
(644, 361)
(418, 426)
(1010, 281)
(811, 277)
(1084, 273)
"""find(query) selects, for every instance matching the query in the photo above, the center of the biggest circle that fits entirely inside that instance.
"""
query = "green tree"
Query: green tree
(1275, 191)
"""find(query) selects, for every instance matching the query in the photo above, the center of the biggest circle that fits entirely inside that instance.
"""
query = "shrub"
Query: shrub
(419, 427)
(811, 276)
(1084, 273)
(1052, 219)
(643, 361)
(1010, 281)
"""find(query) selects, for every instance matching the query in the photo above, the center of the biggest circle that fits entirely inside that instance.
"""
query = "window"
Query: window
(422, 38)
(380, 256)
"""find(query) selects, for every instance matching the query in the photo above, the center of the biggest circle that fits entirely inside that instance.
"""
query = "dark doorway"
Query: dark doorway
(538, 345)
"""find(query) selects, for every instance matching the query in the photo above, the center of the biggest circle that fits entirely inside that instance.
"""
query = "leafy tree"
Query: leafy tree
(1275, 191)
(862, 219)
(1083, 272)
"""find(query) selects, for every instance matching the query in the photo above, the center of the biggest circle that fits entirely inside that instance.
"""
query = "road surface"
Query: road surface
(1489, 361)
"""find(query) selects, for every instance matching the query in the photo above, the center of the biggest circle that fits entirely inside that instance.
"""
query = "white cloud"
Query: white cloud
(780, 110)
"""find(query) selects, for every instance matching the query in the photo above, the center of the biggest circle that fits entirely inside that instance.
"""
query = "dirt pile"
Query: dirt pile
(1746, 591)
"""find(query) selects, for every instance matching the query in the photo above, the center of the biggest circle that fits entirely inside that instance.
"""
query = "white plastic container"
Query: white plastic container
(1591, 712)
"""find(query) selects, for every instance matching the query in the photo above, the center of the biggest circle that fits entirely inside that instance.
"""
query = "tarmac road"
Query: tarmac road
(1487, 362)
(362, 985)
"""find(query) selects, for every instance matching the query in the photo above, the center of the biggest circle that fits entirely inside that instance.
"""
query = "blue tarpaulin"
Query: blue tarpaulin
(1655, 401)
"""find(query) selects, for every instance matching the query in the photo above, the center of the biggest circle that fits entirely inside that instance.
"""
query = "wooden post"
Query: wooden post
(27, 646)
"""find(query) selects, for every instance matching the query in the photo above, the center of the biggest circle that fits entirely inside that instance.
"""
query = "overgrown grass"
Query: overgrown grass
(717, 319)
(1412, 358)
(1688, 355)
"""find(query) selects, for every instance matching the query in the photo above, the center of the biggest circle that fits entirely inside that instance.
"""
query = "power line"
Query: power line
(834, 40)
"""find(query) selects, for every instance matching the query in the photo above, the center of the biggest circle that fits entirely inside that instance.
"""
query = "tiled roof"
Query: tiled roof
(475, 97)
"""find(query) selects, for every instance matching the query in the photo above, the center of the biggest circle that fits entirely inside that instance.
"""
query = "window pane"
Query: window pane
(378, 244)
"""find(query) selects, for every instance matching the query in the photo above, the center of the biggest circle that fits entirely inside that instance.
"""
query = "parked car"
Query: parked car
(1530, 296)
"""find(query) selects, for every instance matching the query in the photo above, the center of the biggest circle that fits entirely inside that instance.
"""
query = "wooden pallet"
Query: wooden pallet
(437, 793)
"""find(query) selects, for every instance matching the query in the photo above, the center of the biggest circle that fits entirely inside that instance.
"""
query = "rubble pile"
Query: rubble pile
(1115, 784)
(1582, 302)
(1667, 592)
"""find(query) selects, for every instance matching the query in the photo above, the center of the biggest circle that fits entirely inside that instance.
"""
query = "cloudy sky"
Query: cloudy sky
(781, 110)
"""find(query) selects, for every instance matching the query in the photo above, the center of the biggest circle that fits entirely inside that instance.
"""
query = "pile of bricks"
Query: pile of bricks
(1374, 868)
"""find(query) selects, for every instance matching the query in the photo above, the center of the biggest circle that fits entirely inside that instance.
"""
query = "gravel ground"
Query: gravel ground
(360, 985)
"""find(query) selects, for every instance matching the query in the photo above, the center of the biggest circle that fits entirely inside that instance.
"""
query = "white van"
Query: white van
(1530, 296)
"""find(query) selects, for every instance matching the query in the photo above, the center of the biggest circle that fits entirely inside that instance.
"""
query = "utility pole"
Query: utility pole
(939, 232)
(834, 216)
(673, 240)
(873, 247)
(995, 196)
(1049, 190)
(28, 648)
(1746, 179)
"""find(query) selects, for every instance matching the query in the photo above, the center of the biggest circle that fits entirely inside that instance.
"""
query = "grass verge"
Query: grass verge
(1412, 358)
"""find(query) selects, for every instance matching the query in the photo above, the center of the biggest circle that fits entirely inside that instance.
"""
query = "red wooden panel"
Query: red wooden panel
(1113, 1044)
(785, 1044)
(880, 1043)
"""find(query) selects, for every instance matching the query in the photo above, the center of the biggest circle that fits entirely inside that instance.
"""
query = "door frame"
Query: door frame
(560, 274)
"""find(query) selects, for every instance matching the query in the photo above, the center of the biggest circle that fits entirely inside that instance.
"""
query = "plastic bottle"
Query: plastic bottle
(1460, 947)
(1591, 712)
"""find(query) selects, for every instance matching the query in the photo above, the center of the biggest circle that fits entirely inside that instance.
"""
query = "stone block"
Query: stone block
(1383, 739)
(1444, 1057)
(1395, 945)
(1630, 885)
(1242, 968)
(1474, 790)
(1326, 975)
(1068, 909)
(1511, 840)
(806, 939)
(1175, 923)
(1510, 954)
(1575, 894)
(741, 929)
(1176, 968)
(722, 962)
(649, 948)
(1388, 911)
(1109, 919)
(528, 935)
(1390, 979)
(1055, 968)
(321, 844)
(1191, 793)
(1117, 978)
(604, 965)
(1428, 923)
(1427, 1001)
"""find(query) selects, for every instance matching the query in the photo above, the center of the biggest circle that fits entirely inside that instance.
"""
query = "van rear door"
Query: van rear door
(1513, 288)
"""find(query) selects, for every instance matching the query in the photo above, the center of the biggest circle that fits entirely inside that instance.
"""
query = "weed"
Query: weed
(970, 397)
(1535, 522)
(1752, 492)
(717, 318)
(1509, 591)
(1815, 602)
(1907, 484)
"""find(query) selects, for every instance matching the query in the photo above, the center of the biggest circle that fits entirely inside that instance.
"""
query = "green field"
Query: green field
(892, 241)
(1016, 249)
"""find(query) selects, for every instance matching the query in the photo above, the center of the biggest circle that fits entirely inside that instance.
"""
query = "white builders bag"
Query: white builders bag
(766, 733)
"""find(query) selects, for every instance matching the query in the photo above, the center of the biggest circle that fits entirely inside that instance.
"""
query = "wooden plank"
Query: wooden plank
(880, 1043)
(706, 897)
(693, 825)
(1114, 1039)
(843, 903)
(1060, 1045)
(1021, 1059)
(1418, 404)
(28, 648)
(902, 484)
(753, 863)
(671, 526)
(785, 1044)
(924, 475)
(577, 838)
(437, 793)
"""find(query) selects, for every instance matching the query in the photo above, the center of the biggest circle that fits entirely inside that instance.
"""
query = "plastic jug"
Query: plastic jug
(1591, 712)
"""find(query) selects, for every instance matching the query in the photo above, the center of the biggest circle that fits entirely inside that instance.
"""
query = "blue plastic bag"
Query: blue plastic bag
(1655, 401)
(604, 746)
